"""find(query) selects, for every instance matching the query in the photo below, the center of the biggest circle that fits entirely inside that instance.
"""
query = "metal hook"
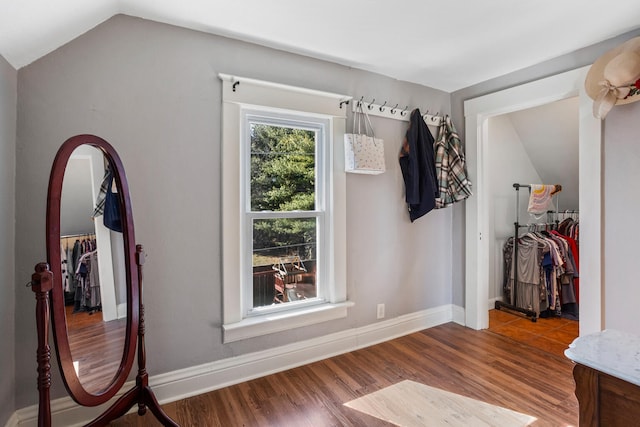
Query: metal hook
(370, 106)
(360, 102)
(393, 110)
(234, 86)
(344, 102)
(404, 112)
(381, 107)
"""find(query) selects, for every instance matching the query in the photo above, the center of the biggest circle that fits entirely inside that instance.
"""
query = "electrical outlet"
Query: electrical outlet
(380, 311)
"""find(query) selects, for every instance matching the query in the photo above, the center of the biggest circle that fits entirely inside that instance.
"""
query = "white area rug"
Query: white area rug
(411, 404)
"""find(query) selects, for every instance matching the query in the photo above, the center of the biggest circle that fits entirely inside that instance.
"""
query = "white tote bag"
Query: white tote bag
(363, 153)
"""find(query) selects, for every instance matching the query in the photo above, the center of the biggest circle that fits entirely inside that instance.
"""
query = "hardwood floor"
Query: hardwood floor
(483, 365)
(552, 334)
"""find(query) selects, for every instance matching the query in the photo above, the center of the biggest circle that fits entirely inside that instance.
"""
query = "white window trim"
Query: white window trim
(239, 93)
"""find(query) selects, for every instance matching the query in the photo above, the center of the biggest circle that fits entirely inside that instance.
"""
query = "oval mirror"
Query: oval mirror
(91, 253)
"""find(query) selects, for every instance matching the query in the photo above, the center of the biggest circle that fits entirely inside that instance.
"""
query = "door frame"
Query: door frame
(477, 112)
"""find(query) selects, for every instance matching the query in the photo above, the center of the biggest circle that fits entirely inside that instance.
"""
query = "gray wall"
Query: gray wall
(620, 147)
(152, 91)
(621, 206)
(509, 162)
(77, 201)
(8, 287)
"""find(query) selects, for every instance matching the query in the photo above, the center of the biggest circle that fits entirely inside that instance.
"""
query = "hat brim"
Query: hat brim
(595, 75)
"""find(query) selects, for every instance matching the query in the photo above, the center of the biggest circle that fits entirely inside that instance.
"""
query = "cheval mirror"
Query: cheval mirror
(91, 287)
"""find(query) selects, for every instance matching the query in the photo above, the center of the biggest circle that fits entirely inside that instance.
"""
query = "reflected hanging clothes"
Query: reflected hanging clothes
(108, 203)
(112, 217)
(454, 184)
(65, 277)
(102, 194)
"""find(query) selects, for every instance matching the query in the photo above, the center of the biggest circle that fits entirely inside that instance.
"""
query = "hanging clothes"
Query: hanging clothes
(527, 291)
(89, 282)
(570, 227)
(569, 230)
(95, 300)
(70, 269)
(547, 273)
(451, 170)
(540, 197)
(418, 167)
(63, 261)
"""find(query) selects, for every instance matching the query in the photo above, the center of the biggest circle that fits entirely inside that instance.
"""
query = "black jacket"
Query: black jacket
(418, 167)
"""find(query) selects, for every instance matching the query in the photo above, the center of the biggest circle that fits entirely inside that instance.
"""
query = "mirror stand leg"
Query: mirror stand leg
(142, 380)
(147, 398)
(41, 284)
(151, 402)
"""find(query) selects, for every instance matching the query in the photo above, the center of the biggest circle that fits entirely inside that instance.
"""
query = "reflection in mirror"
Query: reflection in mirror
(94, 276)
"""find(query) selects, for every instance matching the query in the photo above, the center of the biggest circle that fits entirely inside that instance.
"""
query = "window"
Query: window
(283, 207)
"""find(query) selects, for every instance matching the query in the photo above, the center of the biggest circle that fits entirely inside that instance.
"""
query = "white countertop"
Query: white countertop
(613, 352)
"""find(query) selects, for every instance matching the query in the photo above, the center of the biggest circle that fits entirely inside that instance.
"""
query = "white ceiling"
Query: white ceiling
(446, 44)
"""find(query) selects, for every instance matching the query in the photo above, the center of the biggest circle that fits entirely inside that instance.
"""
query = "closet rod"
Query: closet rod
(517, 186)
(69, 236)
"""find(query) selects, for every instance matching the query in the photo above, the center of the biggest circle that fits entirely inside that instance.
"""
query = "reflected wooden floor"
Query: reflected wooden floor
(81, 319)
(481, 365)
(96, 347)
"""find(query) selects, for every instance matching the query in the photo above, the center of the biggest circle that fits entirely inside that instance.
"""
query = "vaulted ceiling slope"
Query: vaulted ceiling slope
(447, 45)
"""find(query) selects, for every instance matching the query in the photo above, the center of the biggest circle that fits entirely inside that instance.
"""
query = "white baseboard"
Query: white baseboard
(122, 310)
(459, 315)
(196, 380)
(12, 421)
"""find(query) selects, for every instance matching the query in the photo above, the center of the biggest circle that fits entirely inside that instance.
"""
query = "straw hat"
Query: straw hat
(614, 79)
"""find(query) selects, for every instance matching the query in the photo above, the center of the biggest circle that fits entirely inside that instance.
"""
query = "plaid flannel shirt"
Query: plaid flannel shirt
(102, 195)
(453, 182)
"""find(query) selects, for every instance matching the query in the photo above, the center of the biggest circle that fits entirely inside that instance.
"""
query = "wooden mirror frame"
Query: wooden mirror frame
(47, 281)
(58, 314)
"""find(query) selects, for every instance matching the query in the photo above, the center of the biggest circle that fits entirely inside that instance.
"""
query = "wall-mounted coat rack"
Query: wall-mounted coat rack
(393, 111)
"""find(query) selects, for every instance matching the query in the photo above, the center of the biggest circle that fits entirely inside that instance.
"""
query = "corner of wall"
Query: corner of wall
(8, 123)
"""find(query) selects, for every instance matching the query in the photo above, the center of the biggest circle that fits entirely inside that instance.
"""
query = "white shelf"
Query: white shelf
(396, 113)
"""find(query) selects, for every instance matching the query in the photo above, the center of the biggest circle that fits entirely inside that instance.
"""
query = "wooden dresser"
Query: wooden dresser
(607, 375)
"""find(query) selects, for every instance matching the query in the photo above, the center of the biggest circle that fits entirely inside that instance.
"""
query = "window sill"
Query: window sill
(283, 321)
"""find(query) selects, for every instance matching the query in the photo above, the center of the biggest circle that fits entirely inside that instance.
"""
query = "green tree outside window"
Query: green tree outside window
(283, 178)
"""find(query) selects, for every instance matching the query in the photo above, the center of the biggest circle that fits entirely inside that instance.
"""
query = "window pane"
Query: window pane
(283, 172)
(284, 260)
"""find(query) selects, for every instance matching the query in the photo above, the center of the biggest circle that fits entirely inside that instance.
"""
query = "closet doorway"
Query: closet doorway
(481, 115)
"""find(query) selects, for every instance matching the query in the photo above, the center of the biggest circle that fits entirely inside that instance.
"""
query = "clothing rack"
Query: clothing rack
(390, 111)
(517, 226)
